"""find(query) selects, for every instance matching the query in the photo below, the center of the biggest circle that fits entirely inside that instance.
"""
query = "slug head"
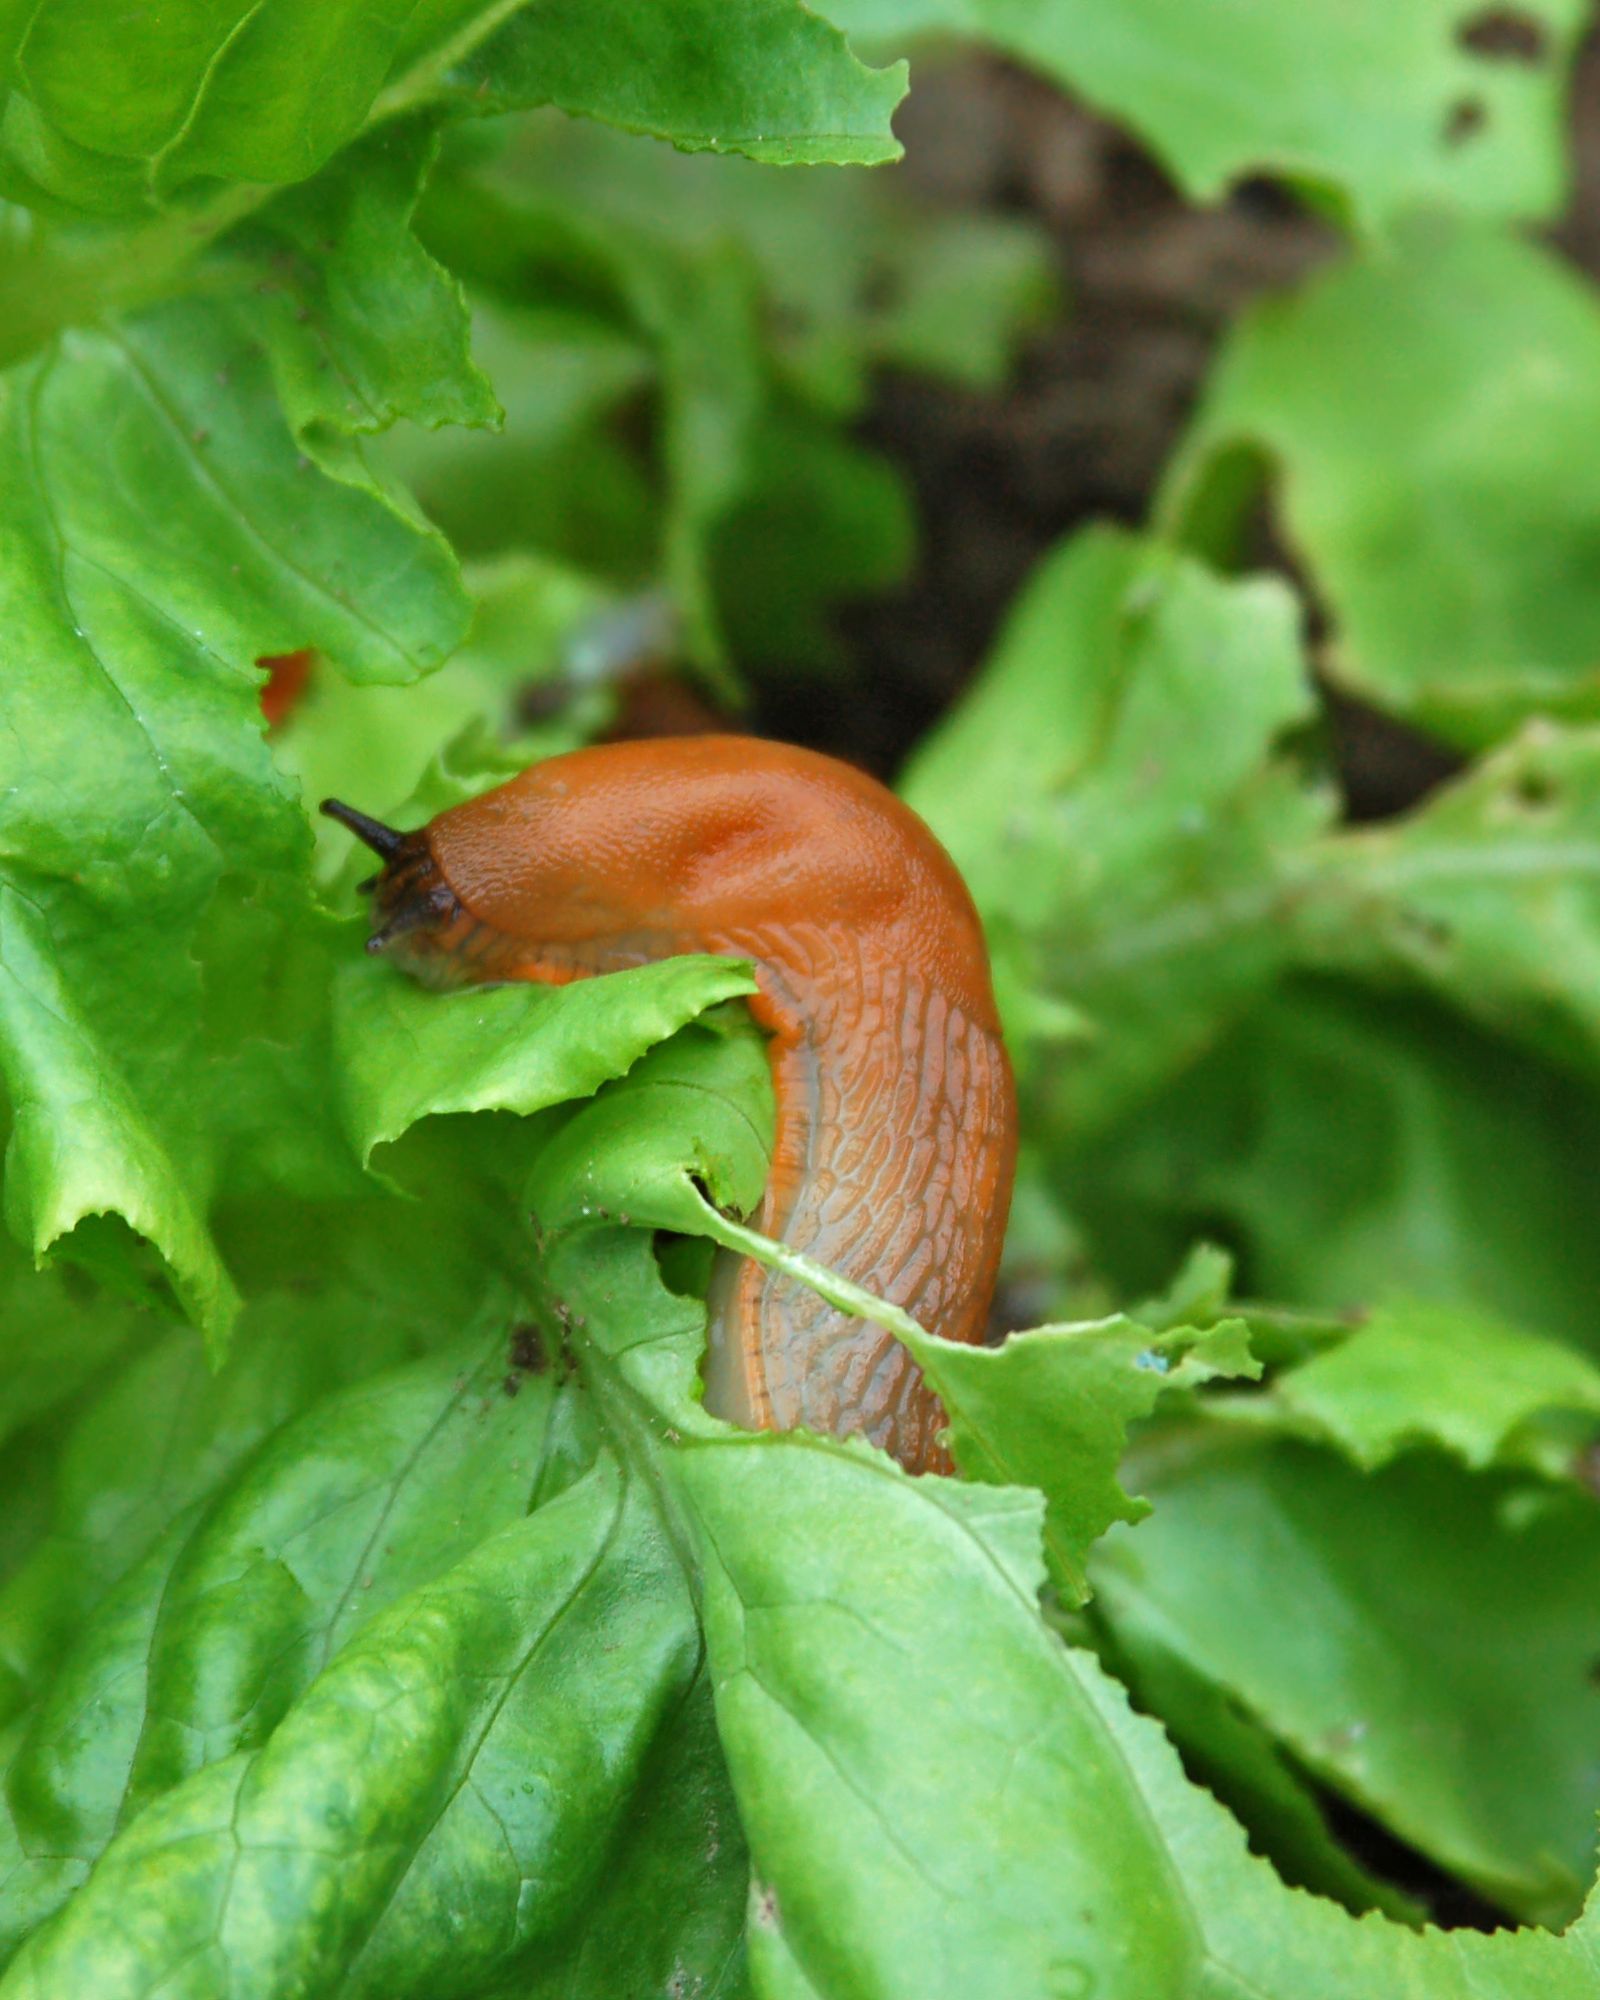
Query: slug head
(416, 915)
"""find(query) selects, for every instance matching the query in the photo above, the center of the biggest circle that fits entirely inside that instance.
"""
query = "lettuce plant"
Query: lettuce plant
(380, 1611)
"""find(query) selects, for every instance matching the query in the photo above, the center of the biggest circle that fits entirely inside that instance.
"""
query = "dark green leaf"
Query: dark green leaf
(766, 78)
(1352, 1150)
(198, 93)
(1409, 1643)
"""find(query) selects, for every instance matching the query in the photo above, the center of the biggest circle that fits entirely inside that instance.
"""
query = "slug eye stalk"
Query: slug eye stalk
(412, 902)
(384, 840)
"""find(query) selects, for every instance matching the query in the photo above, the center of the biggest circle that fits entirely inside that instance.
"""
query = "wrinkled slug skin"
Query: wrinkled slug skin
(896, 1115)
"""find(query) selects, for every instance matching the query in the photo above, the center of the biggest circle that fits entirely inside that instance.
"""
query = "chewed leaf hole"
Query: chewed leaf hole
(703, 1188)
(1536, 791)
(1465, 119)
(1505, 34)
(684, 1262)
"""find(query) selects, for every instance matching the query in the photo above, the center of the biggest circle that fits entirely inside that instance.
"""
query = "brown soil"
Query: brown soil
(1098, 400)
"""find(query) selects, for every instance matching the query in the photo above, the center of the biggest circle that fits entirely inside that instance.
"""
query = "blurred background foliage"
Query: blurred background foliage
(1181, 474)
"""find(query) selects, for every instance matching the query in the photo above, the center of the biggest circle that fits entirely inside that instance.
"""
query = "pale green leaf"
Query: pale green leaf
(1429, 421)
(1051, 1409)
(1376, 109)
(514, 1048)
(1417, 1374)
(1116, 794)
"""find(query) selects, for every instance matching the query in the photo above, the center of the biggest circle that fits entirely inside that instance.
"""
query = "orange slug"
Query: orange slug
(896, 1114)
(287, 674)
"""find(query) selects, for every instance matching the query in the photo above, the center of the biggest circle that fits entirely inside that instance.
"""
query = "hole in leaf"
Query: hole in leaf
(684, 1262)
(1261, 199)
(1505, 34)
(1465, 120)
(702, 1187)
(1536, 791)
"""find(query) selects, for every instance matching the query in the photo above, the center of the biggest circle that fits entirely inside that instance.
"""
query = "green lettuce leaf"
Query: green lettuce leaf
(859, 270)
(288, 1561)
(469, 1735)
(1434, 1661)
(1155, 874)
(162, 534)
(1373, 110)
(829, 1577)
(1488, 895)
(1149, 833)
(1051, 1409)
(1352, 1149)
(827, 1573)
(1430, 423)
(197, 94)
(363, 326)
(1417, 1374)
(765, 78)
(1234, 1756)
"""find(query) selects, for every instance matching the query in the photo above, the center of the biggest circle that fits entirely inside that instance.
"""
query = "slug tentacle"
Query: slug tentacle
(384, 840)
(413, 901)
(896, 1131)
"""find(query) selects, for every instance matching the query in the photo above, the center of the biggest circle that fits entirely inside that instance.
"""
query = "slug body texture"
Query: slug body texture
(896, 1115)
